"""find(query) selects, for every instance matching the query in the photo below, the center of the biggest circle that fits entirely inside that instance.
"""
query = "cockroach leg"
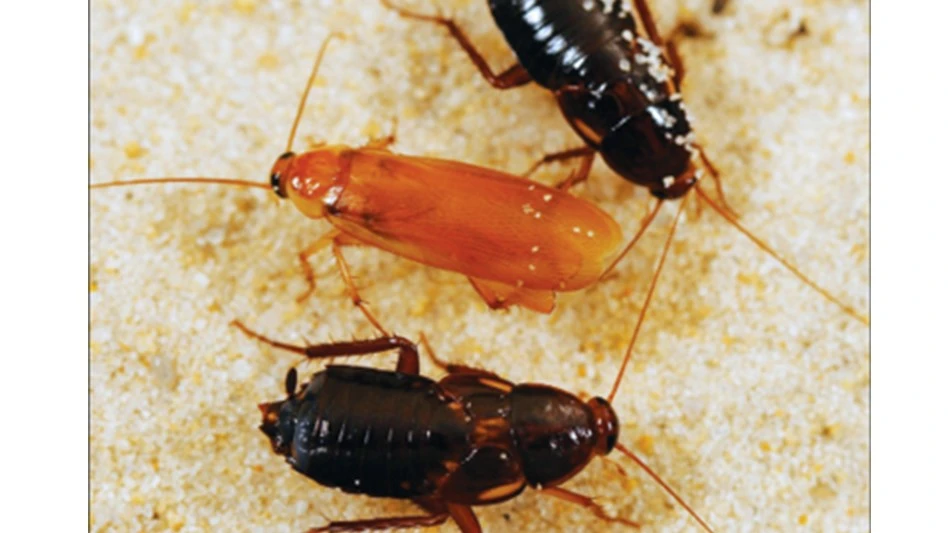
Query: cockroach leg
(565, 155)
(381, 144)
(502, 296)
(353, 290)
(641, 7)
(515, 76)
(394, 522)
(464, 517)
(587, 155)
(579, 175)
(588, 503)
(674, 58)
(386, 142)
(452, 368)
(493, 300)
(671, 50)
(408, 362)
(646, 222)
(716, 176)
(324, 241)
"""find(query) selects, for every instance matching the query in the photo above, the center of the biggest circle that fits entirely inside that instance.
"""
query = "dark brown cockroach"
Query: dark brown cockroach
(618, 89)
(472, 438)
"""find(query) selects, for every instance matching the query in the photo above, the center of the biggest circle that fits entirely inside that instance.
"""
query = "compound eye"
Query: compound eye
(279, 168)
(275, 185)
(611, 441)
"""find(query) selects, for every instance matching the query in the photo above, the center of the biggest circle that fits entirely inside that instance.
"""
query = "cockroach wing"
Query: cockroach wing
(479, 222)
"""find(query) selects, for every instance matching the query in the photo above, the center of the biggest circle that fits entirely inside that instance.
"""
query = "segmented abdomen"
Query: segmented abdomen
(565, 42)
(378, 433)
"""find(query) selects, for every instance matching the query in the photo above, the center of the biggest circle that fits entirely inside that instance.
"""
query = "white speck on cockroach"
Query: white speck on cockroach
(537, 214)
(519, 283)
(628, 35)
(332, 195)
(547, 197)
(652, 56)
(535, 249)
(649, 93)
(590, 234)
(544, 32)
(668, 181)
(556, 45)
(528, 209)
(577, 229)
(625, 65)
(685, 140)
(662, 117)
(588, 5)
(532, 267)
(533, 16)
(532, 188)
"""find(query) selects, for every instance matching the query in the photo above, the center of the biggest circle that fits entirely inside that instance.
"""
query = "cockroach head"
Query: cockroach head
(606, 425)
(279, 418)
(279, 172)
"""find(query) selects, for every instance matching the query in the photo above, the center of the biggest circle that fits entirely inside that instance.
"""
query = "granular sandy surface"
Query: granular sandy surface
(748, 392)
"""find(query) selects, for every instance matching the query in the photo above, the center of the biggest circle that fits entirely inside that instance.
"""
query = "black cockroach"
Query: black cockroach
(614, 86)
(618, 89)
(472, 438)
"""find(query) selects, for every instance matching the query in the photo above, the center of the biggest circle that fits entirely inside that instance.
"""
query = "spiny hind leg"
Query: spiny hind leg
(515, 76)
(438, 513)
(588, 503)
(407, 351)
(390, 522)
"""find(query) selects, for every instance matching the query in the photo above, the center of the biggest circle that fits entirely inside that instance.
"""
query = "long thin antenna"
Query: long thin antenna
(276, 344)
(309, 85)
(648, 299)
(664, 485)
(638, 235)
(216, 181)
(770, 251)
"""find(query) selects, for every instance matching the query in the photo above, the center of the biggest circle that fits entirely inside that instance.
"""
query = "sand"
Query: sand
(748, 391)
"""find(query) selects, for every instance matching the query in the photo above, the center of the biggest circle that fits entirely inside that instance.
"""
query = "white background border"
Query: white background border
(44, 253)
(909, 264)
(44, 210)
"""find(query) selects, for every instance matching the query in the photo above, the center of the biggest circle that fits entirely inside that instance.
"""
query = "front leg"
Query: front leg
(311, 250)
(337, 240)
(588, 503)
(515, 76)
